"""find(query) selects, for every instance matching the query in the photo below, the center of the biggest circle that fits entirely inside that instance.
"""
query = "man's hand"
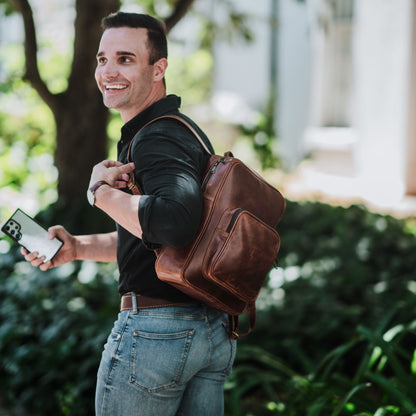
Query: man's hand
(122, 207)
(66, 253)
(116, 174)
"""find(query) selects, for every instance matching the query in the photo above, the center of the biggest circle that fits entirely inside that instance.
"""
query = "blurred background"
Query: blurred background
(317, 95)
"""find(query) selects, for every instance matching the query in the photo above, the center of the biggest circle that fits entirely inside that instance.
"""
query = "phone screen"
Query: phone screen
(29, 234)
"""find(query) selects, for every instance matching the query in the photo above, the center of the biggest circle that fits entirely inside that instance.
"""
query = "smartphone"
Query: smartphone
(29, 234)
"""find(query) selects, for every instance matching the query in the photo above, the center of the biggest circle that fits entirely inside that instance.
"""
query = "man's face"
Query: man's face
(123, 73)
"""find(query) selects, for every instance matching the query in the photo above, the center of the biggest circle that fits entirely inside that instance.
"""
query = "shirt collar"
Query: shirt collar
(166, 105)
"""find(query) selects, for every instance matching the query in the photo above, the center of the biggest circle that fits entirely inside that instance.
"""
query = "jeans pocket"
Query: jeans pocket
(113, 340)
(157, 360)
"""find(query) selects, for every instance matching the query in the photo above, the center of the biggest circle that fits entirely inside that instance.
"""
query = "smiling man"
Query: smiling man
(129, 79)
(167, 354)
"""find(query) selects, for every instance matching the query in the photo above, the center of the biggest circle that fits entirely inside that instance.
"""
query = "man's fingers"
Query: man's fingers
(120, 175)
(33, 258)
(45, 266)
(127, 168)
(30, 256)
(120, 184)
(37, 261)
(114, 173)
(111, 163)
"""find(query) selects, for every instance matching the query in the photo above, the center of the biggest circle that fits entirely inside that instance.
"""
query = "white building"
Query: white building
(346, 90)
(343, 75)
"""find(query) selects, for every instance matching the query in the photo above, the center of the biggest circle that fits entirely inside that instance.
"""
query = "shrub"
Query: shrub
(53, 326)
(346, 276)
(335, 332)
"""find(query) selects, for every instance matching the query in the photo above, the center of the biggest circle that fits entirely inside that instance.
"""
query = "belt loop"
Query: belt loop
(134, 303)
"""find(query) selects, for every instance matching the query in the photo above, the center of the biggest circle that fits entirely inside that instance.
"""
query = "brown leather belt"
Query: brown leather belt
(145, 302)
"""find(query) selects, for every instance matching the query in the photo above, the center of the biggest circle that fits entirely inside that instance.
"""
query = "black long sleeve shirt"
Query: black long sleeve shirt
(169, 164)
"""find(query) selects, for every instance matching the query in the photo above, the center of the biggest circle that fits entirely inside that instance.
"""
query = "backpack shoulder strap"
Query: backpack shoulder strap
(132, 185)
(181, 120)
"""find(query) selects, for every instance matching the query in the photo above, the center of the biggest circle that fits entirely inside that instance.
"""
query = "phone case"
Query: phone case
(29, 234)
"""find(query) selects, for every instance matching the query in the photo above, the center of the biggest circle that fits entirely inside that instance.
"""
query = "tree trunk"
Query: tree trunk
(81, 141)
(81, 118)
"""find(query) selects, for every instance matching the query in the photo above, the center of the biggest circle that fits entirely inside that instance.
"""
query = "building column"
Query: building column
(410, 180)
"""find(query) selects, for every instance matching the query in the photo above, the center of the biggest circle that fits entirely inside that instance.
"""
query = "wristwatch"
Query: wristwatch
(91, 191)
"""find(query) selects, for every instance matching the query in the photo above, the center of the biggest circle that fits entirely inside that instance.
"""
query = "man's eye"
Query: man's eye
(101, 60)
(125, 59)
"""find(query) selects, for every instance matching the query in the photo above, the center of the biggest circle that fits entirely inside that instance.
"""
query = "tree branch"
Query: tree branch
(32, 71)
(181, 8)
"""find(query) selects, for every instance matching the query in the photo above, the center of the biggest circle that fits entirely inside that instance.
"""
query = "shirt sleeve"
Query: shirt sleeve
(168, 169)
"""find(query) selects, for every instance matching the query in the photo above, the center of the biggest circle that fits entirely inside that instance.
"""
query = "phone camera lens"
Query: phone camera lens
(18, 236)
(7, 228)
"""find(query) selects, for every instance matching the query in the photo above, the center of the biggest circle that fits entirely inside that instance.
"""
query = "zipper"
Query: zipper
(233, 219)
(211, 172)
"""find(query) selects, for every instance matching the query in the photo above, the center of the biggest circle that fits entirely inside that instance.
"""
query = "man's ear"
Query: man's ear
(159, 69)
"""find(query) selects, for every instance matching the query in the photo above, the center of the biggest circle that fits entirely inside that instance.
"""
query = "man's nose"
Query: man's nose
(110, 70)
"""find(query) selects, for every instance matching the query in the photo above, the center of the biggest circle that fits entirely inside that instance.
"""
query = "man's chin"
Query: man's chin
(109, 103)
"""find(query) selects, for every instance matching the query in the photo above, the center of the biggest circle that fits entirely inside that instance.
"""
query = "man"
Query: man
(167, 354)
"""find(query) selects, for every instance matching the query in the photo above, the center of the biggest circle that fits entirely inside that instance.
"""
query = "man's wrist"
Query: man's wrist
(100, 191)
(92, 191)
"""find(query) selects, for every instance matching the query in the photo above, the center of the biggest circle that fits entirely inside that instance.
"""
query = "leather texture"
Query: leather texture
(236, 245)
(131, 301)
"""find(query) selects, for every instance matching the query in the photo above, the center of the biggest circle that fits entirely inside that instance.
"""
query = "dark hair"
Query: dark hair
(156, 31)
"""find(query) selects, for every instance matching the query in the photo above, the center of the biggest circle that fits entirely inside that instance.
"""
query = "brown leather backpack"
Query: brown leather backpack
(236, 245)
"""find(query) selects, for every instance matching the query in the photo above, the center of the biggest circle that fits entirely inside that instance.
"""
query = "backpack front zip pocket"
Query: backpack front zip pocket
(238, 258)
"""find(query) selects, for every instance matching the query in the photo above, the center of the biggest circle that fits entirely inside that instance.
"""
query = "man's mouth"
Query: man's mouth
(114, 87)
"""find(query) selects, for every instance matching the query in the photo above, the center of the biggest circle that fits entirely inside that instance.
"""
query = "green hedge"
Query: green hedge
(335, 332)
(355, 268)
(53, 326)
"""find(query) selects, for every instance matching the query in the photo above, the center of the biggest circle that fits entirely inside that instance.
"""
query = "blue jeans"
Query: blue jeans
(164, 362)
